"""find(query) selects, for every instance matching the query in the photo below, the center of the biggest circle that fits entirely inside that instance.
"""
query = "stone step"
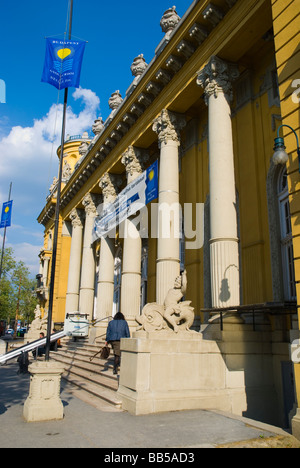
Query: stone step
(105, 394)
(84, 359)
(103, 378)
(93, 380)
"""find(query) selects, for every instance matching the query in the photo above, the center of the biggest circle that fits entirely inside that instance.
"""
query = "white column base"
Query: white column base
(166, 273)
(225, 277)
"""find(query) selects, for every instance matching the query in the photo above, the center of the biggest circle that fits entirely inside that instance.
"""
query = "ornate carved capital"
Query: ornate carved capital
(168, 126)
(90, 203)
(134, 159)
(217, 77)
(76, 217)
(109, 185)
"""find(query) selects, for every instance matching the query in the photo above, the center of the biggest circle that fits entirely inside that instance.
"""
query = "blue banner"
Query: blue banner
(63, 62)
(6, 214)
(136, 195)
(152, 183)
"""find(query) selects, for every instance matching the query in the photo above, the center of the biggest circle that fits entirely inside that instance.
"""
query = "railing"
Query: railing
(271, 308)
(41, 342)
(30, 347)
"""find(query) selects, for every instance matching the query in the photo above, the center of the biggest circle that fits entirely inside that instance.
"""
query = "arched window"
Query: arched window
(286, 238)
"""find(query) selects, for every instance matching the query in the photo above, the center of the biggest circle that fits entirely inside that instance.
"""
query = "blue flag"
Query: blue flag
(6, 214)
(152, 183)
(63, 62)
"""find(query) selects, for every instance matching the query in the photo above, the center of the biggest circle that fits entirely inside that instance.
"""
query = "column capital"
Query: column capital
(109, 185)
(90, 203)
(168, 126)
(217, 77)
(134, 160)
(76, 217)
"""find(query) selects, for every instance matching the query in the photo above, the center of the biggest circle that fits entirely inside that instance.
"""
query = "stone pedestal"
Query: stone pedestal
(166, 371)
(43, 402)
(3, 345)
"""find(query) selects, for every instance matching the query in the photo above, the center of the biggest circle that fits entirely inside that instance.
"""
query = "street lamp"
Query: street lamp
(280, 156)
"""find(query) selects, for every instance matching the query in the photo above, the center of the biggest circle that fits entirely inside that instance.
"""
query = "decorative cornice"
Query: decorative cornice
(168, 126)
(217, 77)
(192, 32)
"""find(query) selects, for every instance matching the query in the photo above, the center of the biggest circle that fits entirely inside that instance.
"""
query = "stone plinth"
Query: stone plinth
(43, 402)
(166, 371)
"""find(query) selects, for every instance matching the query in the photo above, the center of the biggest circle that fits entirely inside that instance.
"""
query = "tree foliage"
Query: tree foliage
(17, 289)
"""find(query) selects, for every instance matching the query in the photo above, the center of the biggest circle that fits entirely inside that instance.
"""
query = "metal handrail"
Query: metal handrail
(272, 308)
(30, 347)
(42, 341)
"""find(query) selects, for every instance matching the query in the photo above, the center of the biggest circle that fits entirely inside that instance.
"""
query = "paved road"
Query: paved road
(85, 426)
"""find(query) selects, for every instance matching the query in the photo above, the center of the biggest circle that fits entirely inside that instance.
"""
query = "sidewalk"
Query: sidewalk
(85, 426)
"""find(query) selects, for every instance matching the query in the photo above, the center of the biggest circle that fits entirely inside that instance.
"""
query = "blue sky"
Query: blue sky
(30, 119)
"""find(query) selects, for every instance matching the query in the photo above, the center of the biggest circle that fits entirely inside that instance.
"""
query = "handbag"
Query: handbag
(105, 352)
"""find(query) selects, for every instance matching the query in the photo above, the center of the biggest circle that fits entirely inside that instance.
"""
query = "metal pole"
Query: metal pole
(4, 236)
(57, 209)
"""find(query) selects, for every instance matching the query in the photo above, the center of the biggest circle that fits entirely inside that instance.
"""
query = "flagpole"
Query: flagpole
(57, 209)
(4, 236)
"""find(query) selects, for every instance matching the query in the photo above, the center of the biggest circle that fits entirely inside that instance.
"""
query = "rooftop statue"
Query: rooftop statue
(138, 66)
(115, 100)
(169, 20)
(173, 314)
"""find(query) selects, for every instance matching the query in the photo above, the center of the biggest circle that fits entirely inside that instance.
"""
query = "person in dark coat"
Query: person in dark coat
(117, 329)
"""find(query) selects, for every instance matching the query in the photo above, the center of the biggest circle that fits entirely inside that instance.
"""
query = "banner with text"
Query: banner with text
(133, 198)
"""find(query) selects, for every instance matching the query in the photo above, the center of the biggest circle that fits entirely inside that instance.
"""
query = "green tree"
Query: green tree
(17, 290)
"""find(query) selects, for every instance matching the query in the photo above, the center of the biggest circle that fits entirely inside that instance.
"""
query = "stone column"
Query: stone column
(216, 79)
(72, 298)
(87, 284)
(168, 126)
(109, 184)
(134, 160)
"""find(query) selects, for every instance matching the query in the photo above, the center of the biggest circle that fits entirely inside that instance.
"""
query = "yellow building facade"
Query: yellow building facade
(222, 81)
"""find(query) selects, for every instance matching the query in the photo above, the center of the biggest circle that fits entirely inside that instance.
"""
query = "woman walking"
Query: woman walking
(117, 329)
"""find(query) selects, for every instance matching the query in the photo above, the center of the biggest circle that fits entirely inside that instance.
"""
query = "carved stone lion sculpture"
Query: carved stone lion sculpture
(172, 315)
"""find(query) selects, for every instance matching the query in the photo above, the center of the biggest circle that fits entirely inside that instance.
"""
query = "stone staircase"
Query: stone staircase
(91, 381)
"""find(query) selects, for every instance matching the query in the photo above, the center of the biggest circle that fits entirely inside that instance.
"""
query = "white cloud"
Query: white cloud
(28, 160)
(27, 146)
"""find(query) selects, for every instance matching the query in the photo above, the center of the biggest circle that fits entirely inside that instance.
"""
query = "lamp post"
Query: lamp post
(280, 156)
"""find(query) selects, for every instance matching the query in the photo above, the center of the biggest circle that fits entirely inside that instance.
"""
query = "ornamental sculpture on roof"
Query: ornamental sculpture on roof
(173, 315)
(169, 21)
(115, 100)
(139, 66)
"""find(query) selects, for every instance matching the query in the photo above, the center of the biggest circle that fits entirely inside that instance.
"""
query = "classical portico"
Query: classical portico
(168, 126)
(179, 110)
(87, 284)
(216, 79)
(134, 160)
(109, 185)
(72, 297)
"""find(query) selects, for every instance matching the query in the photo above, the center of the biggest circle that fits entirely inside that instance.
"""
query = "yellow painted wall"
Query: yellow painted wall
(253, 139)
(286, 18)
